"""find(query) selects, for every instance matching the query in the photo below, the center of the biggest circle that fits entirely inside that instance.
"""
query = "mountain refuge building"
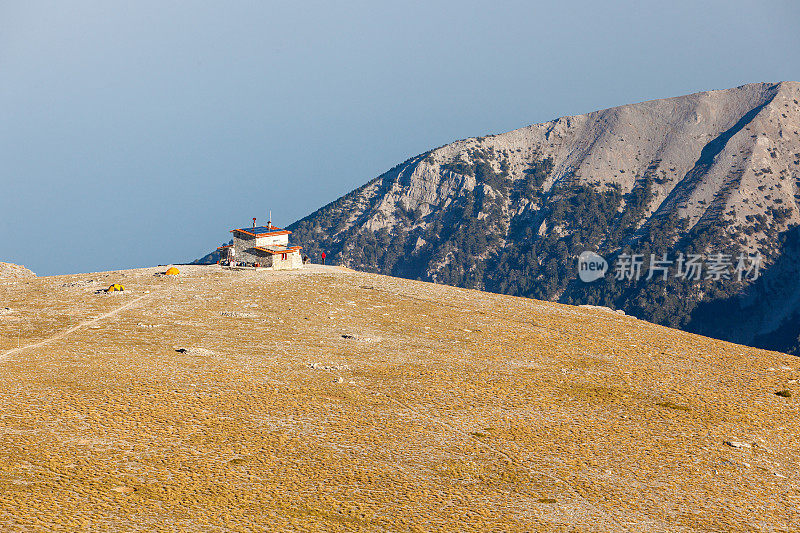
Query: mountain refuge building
(261, 246)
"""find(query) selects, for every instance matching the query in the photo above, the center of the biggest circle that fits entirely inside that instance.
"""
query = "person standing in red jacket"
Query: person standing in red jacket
(323, 257)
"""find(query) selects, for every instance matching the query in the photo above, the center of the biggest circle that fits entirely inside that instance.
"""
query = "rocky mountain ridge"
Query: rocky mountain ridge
(699, 150)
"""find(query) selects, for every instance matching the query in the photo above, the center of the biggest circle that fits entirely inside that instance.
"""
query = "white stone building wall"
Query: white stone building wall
(280, 240)
(293, 260)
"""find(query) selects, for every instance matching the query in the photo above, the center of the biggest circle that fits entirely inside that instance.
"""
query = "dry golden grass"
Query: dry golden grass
(431, 408)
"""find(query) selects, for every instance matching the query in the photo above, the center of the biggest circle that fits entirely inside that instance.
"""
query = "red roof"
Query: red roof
(275, 250)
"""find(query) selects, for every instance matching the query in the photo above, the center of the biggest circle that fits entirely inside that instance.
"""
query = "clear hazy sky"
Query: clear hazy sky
(139, 133)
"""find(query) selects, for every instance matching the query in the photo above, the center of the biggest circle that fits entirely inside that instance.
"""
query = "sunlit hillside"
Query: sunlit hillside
(333, 400)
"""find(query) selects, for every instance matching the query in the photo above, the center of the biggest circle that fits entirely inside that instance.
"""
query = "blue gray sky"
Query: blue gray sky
(138, 133)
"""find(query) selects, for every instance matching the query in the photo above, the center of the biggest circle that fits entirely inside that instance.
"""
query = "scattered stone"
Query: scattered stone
(353, 336)
(734, 464)
(737, 444)
(196, 352)
(5, 311)
(329, 367)
(79, 283)
(237, 314)
(603, 308)
(339, 380)
(761, 446)
(784, 393)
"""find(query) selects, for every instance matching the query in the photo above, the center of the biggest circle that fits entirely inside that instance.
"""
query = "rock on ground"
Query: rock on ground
(10, 270)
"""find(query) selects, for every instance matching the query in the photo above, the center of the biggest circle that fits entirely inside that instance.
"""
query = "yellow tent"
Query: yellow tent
(115, 287)
(172, 271)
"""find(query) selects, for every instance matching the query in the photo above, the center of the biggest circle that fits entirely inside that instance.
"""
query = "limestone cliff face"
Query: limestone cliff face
(710, 172)
(731, 152)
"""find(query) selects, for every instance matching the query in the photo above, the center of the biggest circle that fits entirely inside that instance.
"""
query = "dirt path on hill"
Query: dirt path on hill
(5, 355)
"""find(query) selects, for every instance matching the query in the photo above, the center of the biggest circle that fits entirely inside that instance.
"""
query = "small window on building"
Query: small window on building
(283, 256)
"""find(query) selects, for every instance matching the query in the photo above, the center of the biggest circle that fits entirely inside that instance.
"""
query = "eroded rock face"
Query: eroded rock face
(716, 156)
(10, 270)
